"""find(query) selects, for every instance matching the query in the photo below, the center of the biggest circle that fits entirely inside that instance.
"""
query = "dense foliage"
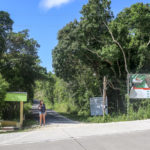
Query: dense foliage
(100, 45)
(97, 45)
(19, 64)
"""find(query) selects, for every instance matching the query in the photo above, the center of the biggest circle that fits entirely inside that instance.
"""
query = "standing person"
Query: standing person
(42, 112)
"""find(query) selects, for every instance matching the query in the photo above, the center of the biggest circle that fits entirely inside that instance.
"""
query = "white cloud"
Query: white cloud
(48, 4)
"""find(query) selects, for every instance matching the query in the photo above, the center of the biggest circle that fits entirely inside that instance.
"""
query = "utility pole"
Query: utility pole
(104, 95)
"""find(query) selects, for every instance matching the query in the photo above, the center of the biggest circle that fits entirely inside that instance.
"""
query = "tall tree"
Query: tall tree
(5, 28)
(22, 62)
(110, 47)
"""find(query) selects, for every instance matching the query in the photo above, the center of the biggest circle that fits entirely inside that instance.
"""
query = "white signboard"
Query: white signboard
(139, 86)
(96, 106)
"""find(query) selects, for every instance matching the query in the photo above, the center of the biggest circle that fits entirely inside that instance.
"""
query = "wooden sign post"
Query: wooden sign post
(17, 97)
(21, 114)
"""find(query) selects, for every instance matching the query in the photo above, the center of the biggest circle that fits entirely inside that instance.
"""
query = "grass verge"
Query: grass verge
(137, 111)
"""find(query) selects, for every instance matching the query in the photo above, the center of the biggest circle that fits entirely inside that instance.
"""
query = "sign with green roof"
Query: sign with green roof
(16, 97)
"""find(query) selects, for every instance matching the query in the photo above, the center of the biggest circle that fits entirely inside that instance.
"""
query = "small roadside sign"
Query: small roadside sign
(96, 106)
(16, 97)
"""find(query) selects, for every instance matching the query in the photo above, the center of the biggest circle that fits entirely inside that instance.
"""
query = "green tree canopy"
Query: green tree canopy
(106, 46)
(21, 61)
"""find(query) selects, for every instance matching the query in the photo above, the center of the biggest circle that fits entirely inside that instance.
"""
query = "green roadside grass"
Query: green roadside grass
(48, 104)
(136, 112)
(106, 119)
(139, 110)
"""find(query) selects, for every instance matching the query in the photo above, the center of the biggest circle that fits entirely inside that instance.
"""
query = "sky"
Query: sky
(44, 18)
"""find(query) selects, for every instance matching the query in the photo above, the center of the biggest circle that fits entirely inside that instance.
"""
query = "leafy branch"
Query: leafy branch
(93, 52)
(119, 45)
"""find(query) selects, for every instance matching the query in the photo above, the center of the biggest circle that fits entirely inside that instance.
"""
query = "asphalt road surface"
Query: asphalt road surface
(61, 133)
(129, 141)
(52, 117)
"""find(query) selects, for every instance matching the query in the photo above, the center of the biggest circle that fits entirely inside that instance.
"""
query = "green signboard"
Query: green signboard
(16, 97)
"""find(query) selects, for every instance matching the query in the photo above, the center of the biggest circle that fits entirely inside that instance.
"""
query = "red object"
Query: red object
(135, 88)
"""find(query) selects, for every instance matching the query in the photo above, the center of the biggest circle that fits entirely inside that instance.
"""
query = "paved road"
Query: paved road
(64, 134)
(52, 117)
(130, 141)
